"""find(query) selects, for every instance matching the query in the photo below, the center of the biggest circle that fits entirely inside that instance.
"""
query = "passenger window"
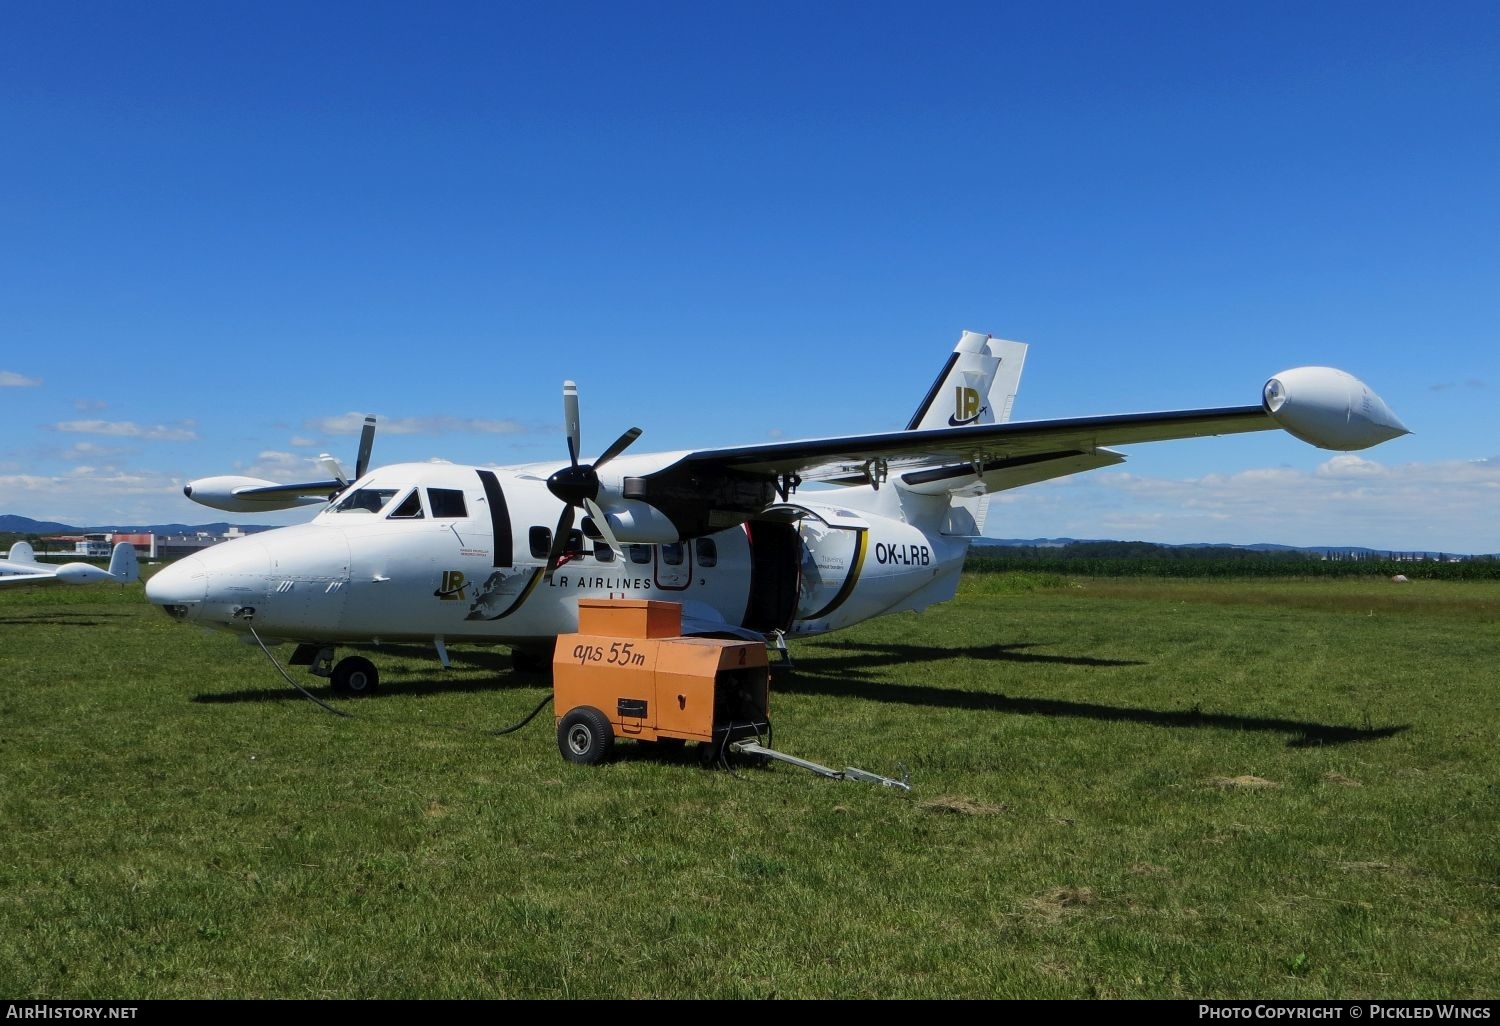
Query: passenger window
(541, 541)
(410, 507)
(640, 553)
(708, 552)
(447, 502)
(603, 553)
(672, 554)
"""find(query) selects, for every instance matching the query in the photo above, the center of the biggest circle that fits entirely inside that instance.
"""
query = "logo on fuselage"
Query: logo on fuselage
(966, 407)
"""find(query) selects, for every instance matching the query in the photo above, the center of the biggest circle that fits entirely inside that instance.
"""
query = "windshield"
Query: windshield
(365, 500)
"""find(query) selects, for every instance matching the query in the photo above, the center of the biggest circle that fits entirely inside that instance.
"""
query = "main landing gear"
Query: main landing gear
(352, 676)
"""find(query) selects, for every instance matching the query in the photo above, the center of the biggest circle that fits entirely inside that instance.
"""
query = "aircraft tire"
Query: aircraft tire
(355, 677)
(524, 660)
(585, 736)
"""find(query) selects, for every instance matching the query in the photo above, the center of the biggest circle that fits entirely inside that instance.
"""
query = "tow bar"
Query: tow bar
(752, 746)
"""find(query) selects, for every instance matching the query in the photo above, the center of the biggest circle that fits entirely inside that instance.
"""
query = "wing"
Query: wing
(1325, 407)
(709, 489)
(24, 575)
(918, 458)
(256, 495)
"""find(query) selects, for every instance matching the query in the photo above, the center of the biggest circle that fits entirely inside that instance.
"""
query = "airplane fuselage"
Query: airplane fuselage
(458, 553)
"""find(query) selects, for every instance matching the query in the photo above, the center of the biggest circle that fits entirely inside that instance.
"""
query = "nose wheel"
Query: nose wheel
(354, 677)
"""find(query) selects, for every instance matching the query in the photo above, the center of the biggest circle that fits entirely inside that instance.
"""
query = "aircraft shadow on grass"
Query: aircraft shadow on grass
(829, 674)
(90, 619)
(826, 675)
(441, 682)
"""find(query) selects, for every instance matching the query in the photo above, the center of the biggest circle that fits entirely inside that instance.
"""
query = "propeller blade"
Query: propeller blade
(333, 469)
(366, 443)
(570, 420)
(560, 537)
(620, 445)
(602, 524)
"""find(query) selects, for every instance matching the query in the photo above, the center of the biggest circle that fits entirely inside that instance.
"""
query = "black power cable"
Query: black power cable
(348, 715)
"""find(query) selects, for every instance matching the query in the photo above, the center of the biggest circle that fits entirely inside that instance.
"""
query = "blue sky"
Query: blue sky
(232, 229)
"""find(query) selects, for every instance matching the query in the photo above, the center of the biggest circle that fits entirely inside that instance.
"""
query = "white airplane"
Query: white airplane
(438, 552)
(20, 566)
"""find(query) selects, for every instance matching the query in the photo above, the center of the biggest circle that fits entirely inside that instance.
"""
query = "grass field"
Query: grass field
(1120, 789)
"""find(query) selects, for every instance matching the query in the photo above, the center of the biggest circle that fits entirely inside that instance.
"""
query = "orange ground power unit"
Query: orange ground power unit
(630, 673)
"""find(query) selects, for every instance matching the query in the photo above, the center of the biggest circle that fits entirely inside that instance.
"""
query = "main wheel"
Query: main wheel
(585, 736)
(531, 660)
(356, 677)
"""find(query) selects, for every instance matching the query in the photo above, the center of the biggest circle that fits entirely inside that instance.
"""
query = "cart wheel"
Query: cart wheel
(585, 736)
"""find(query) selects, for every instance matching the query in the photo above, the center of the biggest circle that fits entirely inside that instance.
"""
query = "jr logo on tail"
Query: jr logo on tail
(982, 375)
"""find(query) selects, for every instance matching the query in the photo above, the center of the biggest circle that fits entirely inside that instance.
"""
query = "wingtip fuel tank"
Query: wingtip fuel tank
(1330, 409)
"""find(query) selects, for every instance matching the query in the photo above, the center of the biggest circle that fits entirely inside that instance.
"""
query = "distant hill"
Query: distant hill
(12, 524)
(1089, 548)
(1057, 543)
(1081, 545)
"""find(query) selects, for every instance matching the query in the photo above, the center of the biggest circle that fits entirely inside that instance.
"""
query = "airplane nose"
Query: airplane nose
(178, 588)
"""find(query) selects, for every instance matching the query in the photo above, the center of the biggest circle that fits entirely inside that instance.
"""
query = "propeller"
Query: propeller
(361, 461)
(577, 484)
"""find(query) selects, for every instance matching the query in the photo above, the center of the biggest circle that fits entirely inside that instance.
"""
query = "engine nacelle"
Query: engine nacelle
(634, 521)
(236, 494)
(1329, 408)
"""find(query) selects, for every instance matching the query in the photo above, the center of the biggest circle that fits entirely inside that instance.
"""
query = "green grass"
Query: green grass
(1121, 788)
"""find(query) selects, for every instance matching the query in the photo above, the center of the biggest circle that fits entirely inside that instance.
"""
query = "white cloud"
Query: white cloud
(1349, 465)
(353, 423)
(283, 466)
(10, 379)
(1347, 500)
(88, 497)
(126, 429)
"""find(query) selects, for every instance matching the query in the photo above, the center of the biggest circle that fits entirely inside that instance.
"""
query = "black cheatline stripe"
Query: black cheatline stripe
(861, 547)
(916, 418)
(499, 518)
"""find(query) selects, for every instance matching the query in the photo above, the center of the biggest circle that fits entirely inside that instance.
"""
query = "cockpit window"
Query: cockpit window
(365, 500)
(410, 508)
(447, 502)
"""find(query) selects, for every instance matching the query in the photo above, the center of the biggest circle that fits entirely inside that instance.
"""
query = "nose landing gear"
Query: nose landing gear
(352, 676)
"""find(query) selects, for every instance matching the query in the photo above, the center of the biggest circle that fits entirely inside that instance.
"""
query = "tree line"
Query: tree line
(1146, 559)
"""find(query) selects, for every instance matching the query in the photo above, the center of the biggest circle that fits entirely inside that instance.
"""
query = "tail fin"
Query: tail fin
(977, 385)
(123, 566)
(21, 552)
